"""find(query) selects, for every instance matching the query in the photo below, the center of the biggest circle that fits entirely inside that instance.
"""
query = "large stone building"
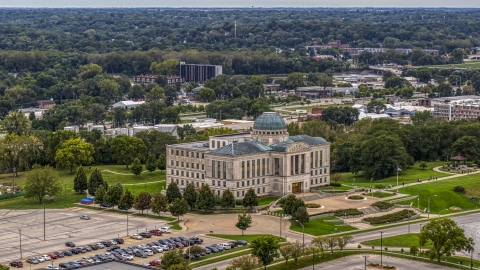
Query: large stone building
(267, 160)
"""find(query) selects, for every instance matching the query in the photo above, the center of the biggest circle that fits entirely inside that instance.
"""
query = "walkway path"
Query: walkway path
(130, 174)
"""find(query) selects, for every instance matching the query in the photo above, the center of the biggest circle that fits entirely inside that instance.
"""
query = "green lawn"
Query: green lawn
(267, 200)
(219, 254)
(445, 196)
(318, 227)
(175, 225)
(403, 240)
(219, 258)
(129, 181)
(467, 64)
(408, 175)
(247, 237)
(379, 194)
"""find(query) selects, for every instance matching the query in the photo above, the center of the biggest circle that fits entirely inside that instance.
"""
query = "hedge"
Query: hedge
(390, 218)
(382, 205)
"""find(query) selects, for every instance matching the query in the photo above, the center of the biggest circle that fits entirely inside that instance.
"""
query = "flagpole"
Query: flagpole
(397, 178)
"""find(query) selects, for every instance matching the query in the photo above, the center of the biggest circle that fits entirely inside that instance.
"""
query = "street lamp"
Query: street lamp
(65, 195)
(126, 211)
(14, 175)
(303, 235)
(365, 256)
(43, 222)
(20, 232)
(428, 215)
(381, 247)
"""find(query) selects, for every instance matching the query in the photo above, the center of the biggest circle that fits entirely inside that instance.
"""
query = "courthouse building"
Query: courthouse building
(266, 159)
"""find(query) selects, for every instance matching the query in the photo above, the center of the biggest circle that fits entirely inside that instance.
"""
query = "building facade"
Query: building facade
(467, 109)
(266, 159)
(198, 73)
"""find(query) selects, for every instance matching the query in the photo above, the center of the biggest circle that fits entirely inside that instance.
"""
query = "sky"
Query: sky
(243, 3)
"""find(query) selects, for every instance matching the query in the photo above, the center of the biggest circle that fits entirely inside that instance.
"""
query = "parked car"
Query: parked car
(100, 245)
(208, 251)
(17, 264)
(106, 205)
(53, 256)
(106, 243)
(32, 261)
(67, 253)
(165, 229)
(226, 246)
(197, 240)
(40, 259)
(59, 254)
(51, 266)
(156, 232)
(85, 217)
(69, 244)
(154, 262)
(136, 236)
(63, 265)
(140, 253)
(145, 234)
(112, 248)
(119, 240)
(46, 257)
(93, 247)
(242, 242)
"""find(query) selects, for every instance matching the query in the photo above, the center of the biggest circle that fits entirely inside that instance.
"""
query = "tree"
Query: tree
(186, 130)
(109, 88)
(19, 151)
(342, 241)
(173, 257)
(42, 181)
(126, 201)
(423, 165)
(173, 192)
(320, 242)
(265, 248)
(16, 123)
(295, 80)
(250, 199)
(136, 167)
(95, 181)
(297, 250)
(414, 251)
(178, 208)
(167, 67)
(290, 204)
(245, 262)
(324, 80)
(190, 195)
(100, 194)
(302, 215)
(446, 237)
(125, 149)
(395, 82)
(114, 194)
(376, 106)
(80, 180)
(157, 94)
(467, 146)
(286, 251)
(196, 249)
(151, 163)
(162, 162)
(74, 152)
(244, 222)
(206, 94)
(159, 203)
(206, 199)
(228, 200)
(142, 201)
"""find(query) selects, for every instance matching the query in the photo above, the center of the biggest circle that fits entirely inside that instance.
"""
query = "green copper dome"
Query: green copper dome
(269, 121)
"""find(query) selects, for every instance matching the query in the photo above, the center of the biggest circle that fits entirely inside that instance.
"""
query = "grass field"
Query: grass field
(318, 227)
(408, 175)
(467, 64)
(151, 182)
(219, 254)
(247, 237)
(403, 240)
(219, 258)
(267, 200)
(445, 196)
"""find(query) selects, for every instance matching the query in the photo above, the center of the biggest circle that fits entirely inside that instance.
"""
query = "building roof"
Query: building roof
(458, 158)
(241, 148)
(281, 146)
(269, 121)
(308, 140)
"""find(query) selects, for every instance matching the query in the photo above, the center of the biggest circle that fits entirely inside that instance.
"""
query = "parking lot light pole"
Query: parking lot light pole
(303, 235)
(43, 222)
(20, 232)
(365, 256)
(381, 247)
(428, 215)
(65, 195)
(126, 211)
(14, 175)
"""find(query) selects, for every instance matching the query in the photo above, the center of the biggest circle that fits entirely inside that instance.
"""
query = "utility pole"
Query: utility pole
(20, 232)
(235, 29)
(43, 222)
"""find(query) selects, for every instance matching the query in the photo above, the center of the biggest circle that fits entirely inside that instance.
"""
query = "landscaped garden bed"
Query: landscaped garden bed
(383, 205)
(356, 197)
(391, 218)
(312, 205)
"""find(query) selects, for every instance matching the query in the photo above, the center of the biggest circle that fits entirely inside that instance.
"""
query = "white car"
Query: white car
(226, 246)
(128, 257)
(46, 257)
(164, 247)
(148, 251)
(85, 217)
(165, 229)
(40, 259)
(142, 246)
(136, 236)
(51, 266)
(159, 249)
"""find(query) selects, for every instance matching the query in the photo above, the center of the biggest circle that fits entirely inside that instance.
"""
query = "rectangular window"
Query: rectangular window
(176, 152)
(243, 183)
(213, 182)
(224, 164)
(197, 155)
(238, 184)
(171, 152)
(182, 164)
(219, 183)
(218, 164)
(258, 190)
(172, 172)
(325, 170)
(311, 159)
(203, 156)
(182, 154)
(187, 164)
(258, 181)
(213, 163)
(243, 164)
(176, 172)
(203, 176)
(198, 176)
(311, 182)
(224, 175)
(188, 174)
(193, 166)
(243, 192)
(203, 166)
(263, 189)
(248, 174)
(238, 194)
(248, 183)
(197, 166)
(197, 184)
(213, 174)
(182, 173)
(263, 181)
(176, 163)
(224, 184)
(218, 174)
(253, 173)
(182, 182)
(243, 175)
(171, 162)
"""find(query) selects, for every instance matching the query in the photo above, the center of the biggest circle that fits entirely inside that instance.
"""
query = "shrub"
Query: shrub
(312, 205)
(379, 186)
(389, 218)
(355, 197)
(382, 205)
(333, 184)
(389, 267)
(459, 189)
(348, 212)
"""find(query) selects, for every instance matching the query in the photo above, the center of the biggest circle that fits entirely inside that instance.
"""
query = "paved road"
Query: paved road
(357, 262)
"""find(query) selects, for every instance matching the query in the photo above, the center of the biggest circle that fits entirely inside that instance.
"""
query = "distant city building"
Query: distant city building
(128, 104)
(465, 109)
(267, 160)
(199, 73)
(46, 104)
(149, 78)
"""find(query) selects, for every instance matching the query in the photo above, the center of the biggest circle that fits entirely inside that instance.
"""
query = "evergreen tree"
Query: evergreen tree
(178, 208)
(151, 163)
(162, 162)
(136, 167)
(250, 199)
(206, 199)
(159, 203)
(228, 200)
(126, 201)
(114, 194)
(190, 195)
(80, 180)
(95, 181)
(302, 215)
(173, 192)
(142, 201)
(100, 194)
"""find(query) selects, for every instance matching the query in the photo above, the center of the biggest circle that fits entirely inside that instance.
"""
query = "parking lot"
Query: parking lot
(62, 226)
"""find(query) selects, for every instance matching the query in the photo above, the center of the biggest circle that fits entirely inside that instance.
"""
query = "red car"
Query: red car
(120, 258)
(53, 256)
(156, 232)
(17, 264)
(154, 263)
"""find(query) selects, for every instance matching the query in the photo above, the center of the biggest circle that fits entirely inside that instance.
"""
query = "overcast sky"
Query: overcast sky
(244, 3)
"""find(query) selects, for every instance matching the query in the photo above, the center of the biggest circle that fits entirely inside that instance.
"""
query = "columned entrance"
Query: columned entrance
(296, 187)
